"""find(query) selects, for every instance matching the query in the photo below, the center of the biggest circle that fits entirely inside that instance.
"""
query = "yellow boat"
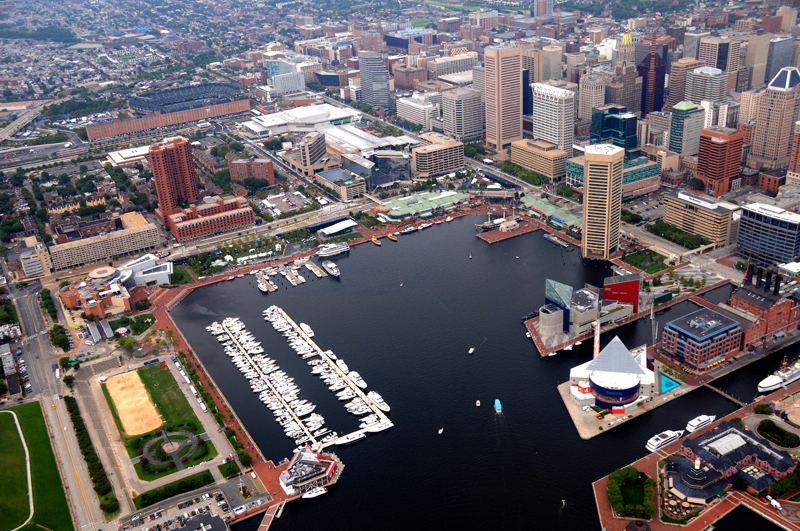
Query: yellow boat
(392, 237)
(375, 241)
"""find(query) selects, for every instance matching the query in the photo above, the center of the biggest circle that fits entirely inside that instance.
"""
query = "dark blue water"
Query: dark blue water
(405, 315)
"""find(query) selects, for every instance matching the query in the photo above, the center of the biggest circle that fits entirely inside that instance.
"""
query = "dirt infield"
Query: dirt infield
(134, 407)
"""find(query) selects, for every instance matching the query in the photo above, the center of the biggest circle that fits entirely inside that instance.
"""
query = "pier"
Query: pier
(724, 395)
(269, 384)
(358, 391)
(494, 236)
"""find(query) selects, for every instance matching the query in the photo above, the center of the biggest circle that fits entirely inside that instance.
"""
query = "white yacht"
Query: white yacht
(357, 379)
(332, 249)
(378, 400)
(699, 422)
(382, 425)
(307, 329)
(351, 438)
(316, 491)
(342, 366)
(663, 439)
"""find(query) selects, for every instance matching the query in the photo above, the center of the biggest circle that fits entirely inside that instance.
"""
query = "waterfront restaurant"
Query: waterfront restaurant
(307, 470)
(422, 205)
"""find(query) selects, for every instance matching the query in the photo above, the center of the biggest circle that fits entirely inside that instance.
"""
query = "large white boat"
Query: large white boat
(263, 287)
(699, 422)
(382, 425)
(780, 378)
(316, 491)
(307, 329)
(331, 268)
(357, 379)
(661, 440)
(378, 400)
(332, 249)
(351, 438)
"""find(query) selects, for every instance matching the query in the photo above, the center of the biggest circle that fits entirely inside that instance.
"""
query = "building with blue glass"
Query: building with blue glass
(768, 235)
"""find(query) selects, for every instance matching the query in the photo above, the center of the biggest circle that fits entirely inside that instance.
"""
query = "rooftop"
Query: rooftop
(703, 324)
(603, 149)
(773, 212)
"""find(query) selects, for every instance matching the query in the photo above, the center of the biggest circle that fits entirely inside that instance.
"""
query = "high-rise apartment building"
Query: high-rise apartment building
(613, 124)
(780, 54)
(684, 131)
(720, 52)
(503, 85)
(463, 114)
(602, 200)
(252, 168)
(592, 94)
(719, 159)
(174, 175)
(625, 88)
(374, 79)
(677, 80)
(777, 113)
(706, 84)
(757, 55)
(554, 109)
(793, 174)
(653, 71)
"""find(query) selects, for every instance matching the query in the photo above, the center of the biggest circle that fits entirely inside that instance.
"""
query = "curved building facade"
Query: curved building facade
(611, 395)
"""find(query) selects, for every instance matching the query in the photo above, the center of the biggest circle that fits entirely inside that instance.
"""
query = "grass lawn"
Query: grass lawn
(181, 276)
(633, 494)
(203, 453)
(187, 484)
(138, 324)
(14, 487)
(453, 6)
(419, 22)
(345, 238)
(646, 260)
(49, 502)
(169, 401)
(231, 468)
(153, 472)
(795, 498)
(184, 450)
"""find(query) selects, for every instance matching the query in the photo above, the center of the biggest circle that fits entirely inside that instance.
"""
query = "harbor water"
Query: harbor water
(405, 316)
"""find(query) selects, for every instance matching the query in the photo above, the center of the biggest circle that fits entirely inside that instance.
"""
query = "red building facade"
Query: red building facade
(212, 218)
(174, 175)
(623, 288)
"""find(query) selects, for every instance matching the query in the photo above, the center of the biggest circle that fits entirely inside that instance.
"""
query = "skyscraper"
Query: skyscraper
(625, 88)
(592, 94)
(777, 112)
(706, 83)
(503, 84)
(374, 79)
(554, 109)
(793, 174)
(653, 70)
(684, 131)
(720, 52)
(463, 114)
(527, 93)
(174, 175)
(780, 54)
(691, 43)
(532, 61)
(551, 63)
(626, 51)
(719, 159)
(613, 124)
(757, 55)
(602, 200)
(677, 80)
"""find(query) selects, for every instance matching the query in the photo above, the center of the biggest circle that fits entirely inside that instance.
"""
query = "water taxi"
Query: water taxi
(392, 237)
(375, 241)
(663, 439)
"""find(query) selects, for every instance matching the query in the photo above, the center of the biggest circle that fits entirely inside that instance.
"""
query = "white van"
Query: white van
(253, 474)
(102, 379)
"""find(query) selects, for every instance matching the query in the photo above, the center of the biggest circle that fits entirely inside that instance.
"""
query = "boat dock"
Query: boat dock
(318, 269)
(332, 364)
(493, 236)
(267, 381)
(264, 279)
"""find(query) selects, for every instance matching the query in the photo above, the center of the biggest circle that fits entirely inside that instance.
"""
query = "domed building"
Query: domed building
(616, 379)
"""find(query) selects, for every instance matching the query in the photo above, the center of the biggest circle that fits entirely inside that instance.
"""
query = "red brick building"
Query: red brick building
(747, 130)
(252, 168)
(211, 218)
(770, 181)
(174, 175)
(719, 158)
(770, 311)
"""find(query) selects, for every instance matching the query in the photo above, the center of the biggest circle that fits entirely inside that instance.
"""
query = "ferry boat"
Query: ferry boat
(332, 249)
(357, 379)
(375, 241)
(331, 268)
(782, 377)
(497, 406)
(263, 287)
(663, 439)
(351, 438)
(409, 230)
(316, 491)
(700, 422)
(307, 329)
(392, 237)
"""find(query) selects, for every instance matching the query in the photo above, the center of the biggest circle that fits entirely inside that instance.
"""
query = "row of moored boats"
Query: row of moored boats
(668, 437)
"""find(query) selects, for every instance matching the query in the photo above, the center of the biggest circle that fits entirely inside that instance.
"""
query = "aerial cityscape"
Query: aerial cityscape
(458, 264)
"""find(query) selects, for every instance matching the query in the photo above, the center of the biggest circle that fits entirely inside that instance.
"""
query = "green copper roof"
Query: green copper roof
(685, 106)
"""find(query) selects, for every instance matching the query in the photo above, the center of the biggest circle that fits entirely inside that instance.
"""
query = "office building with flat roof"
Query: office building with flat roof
(554, 109)
(105, 247)
(347, 184)
(540, 156)
(592, 95)
(706, 84)
(685, 128)
(719, 159)
(702, 340)
(677, 81)
(613, 124)
(463, 114)
(503, 85)
(436, 155)
(701, 215)
(768, 235)
(453, 64)
(374, 79)
(602, 200)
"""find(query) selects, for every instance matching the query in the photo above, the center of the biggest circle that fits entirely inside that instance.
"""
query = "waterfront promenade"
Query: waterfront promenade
(789, 518)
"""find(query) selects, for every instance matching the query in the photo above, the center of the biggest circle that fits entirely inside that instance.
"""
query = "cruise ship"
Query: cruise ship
(661, 440)
(699, 422)
(780, 378)
(331, 268)
(332, 249)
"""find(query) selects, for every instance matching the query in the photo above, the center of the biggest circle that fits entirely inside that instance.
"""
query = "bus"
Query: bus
(204, 125)
(255, 112)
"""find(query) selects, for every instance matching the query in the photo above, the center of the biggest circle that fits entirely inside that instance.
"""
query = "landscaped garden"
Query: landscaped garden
(181, 276)
(49, 501)
(631, 492)
(646, 260)
(777, 435)
(138, 324)
(175, 488)
(229, 469)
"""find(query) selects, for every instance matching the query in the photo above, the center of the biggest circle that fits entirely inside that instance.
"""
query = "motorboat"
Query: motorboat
(350, 438)
(307, 330)
(497, 406)
(409, 230)
(699, 422)
(342, 366)
(382, 425)
(357, 379)
(663, 439)
(449, 219)
(316, 491)
(331, 268)
(375, 241)
(392, 237)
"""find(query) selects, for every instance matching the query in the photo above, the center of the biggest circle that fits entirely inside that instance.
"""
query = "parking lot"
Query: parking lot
(650, 207)
(281, 203)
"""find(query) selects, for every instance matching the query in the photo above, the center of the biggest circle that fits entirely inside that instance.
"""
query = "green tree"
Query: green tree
(127, 343)
(68, 380)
